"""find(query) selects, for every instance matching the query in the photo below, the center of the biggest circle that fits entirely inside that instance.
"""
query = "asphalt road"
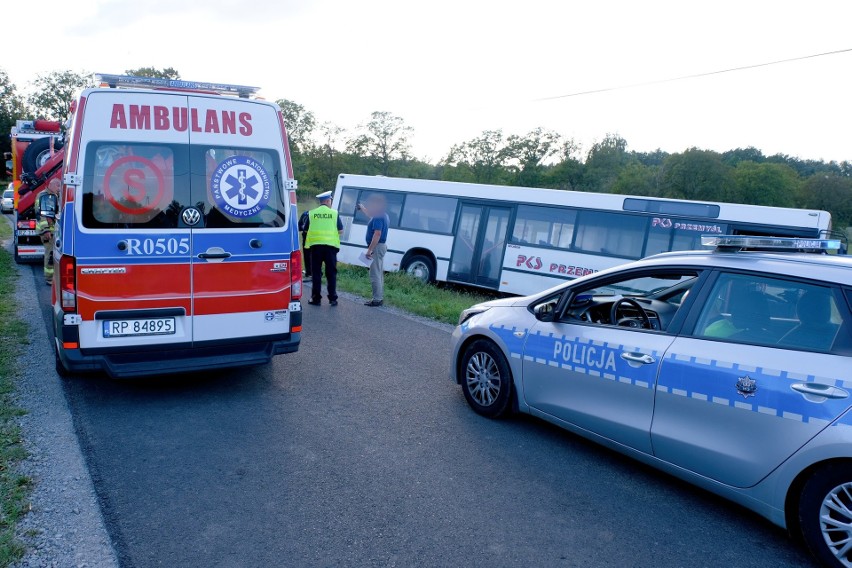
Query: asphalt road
(358, 451)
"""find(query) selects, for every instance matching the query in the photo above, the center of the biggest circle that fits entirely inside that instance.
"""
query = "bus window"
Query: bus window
(668, 234)
(394, 206)
(612, 234)
(542, 226)
(348, 201)
(429, 213)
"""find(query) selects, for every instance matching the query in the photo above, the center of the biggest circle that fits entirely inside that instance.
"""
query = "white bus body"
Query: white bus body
(522, 240)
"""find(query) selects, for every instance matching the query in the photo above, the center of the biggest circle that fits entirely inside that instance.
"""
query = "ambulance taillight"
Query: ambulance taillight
(68, 283)
(296, 275)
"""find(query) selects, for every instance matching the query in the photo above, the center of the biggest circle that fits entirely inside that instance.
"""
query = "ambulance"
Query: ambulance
(176, 243)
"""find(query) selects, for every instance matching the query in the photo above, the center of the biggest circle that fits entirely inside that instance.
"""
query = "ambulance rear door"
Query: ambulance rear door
(241, 242)
(133, 252)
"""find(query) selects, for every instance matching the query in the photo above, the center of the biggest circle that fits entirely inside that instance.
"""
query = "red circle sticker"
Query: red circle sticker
(135, 185)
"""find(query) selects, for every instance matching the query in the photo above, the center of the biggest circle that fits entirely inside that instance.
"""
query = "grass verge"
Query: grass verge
(14, 488)
(442, 303)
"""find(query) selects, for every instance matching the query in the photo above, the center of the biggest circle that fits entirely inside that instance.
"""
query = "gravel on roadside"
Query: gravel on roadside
(65, 527)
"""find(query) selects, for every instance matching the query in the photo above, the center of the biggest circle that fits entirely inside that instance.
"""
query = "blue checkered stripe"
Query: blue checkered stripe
(714, 381)
(579, 355)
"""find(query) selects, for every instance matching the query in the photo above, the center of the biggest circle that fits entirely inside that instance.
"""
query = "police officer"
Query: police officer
(324, 231)
(304, 223)
(46, 225)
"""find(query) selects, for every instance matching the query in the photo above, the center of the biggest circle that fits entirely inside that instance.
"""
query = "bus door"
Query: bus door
(479, 245)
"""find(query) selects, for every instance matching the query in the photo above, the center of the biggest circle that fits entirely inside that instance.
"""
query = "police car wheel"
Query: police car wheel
(486, 379)
(825, 515)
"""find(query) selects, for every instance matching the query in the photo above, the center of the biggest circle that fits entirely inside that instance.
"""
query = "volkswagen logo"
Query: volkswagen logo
(191, 216)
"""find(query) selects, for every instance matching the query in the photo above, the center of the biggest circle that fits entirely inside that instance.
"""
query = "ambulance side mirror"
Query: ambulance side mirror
(47, 205)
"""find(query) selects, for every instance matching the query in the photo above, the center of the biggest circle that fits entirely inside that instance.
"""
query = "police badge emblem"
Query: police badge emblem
(746, 386)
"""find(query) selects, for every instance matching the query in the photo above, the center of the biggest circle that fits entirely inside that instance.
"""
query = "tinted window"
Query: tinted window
(393, 201)
(9, 193)
(672, 207)
(611, 234)
(348, 201)
(239, 187)
(429, 213)
(668, 234)
(135, 185)
(773, 312)
(544, 226)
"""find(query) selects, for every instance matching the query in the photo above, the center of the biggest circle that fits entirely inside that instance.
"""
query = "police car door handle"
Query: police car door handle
(818, 389)
(638, 358)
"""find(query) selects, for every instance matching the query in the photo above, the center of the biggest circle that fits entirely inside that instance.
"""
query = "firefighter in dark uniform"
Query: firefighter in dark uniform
(323, 238)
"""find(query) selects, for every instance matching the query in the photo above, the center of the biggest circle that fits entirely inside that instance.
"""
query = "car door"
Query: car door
(240, 215)
(584, 369)
(761, 372)
(133, 255)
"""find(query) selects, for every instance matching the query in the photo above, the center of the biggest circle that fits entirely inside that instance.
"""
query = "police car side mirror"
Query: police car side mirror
(545, 311)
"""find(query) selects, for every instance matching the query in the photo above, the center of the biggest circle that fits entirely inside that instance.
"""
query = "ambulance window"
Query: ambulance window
(134, 186)
(240, 187)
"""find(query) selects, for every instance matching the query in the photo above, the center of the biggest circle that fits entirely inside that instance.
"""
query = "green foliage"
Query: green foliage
(300, 124)
(55, 91)
(441, 303)
(154, 73)
(14, 488)
(765, 184)
(604, 162)
(383, 140)
(11, 109)
(695, 174)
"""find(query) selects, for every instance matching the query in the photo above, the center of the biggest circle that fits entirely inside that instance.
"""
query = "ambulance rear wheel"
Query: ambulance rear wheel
(825, 515)
(38, 153)
(486, 379)
(421, 267)
(61, 369)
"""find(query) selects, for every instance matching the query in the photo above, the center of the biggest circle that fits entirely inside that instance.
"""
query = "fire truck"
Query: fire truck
(37, 155)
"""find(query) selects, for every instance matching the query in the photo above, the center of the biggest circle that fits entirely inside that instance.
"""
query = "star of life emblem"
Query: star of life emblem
(746, 386)
(240, 186)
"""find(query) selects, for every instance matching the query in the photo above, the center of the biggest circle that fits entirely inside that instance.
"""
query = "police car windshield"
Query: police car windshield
(657, 286)
(147, 186)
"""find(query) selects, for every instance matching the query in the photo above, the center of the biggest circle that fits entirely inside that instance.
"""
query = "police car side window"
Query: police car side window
(774, 312)
(646, 301)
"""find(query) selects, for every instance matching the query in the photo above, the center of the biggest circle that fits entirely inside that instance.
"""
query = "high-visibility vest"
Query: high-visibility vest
(323, 228)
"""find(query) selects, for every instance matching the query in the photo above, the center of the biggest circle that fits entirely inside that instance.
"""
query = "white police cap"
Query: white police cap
(324, 195)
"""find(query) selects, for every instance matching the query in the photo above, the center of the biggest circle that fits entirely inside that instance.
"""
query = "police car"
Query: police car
(731, 369)
(176, 247)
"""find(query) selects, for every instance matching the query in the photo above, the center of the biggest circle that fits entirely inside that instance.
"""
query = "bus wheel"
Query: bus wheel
(486, 379)
(421, 267)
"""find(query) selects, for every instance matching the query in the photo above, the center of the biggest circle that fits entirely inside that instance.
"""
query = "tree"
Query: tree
(154, 73)
(832, 193)
(695, 174)
(636, 179)
(300, 124)
(323, 157)
(750, 154)
(604, 162)
(765, 184)
(384, 139)
(568, 172)
(531, 151)
(55, 91)
(483, 159)
(11, 109)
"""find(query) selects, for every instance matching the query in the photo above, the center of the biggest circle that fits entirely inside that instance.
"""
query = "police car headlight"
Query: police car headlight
(472, 311)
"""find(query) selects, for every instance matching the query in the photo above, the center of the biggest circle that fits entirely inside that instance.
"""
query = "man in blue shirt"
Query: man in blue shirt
(377, 236)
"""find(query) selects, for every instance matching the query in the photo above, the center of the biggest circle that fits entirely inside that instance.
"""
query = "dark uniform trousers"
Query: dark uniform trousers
(323, 254)
(306, 252)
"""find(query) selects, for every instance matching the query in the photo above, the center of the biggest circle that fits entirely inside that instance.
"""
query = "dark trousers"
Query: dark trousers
(306, 257)
(323, 254)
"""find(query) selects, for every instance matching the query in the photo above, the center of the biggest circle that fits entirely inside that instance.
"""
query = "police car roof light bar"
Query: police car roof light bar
(115, 81)
(791, 244)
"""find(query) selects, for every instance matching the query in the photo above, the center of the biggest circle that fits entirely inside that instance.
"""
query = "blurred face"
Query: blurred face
(53, 186)
(376, 205)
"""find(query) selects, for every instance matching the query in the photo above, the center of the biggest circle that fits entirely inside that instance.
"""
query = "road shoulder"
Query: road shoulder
(65, 526)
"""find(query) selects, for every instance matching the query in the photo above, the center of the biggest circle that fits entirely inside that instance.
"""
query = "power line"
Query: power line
(694, 76)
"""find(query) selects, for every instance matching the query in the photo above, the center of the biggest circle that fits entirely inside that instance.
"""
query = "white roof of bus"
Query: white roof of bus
(737, 212)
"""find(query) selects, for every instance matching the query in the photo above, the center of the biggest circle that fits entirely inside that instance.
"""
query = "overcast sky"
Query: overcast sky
(453, 68)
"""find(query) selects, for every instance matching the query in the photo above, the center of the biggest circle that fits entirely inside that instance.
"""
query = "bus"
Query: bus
(521, 240)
